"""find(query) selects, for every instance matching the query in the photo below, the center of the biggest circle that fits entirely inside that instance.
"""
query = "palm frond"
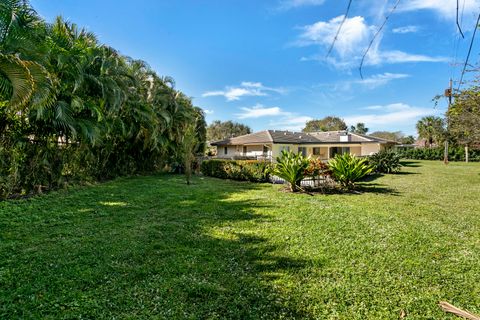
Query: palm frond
(20, 77)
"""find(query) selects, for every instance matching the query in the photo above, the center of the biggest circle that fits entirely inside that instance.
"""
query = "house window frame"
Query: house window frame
(225, 150)
(302, 150)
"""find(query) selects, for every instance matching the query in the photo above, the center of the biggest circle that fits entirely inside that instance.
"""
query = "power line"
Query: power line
(339, 28)
(458, 24)
(456, 42)
(375, 36)
(469, 51)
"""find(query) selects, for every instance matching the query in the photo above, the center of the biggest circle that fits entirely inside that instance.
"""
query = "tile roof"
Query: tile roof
(288, 137)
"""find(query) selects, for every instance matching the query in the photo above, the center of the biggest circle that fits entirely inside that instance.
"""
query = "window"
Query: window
(244, 150)
(265, 149)
(225, 150)
(338, 150)
(303, 151)
(316, 151)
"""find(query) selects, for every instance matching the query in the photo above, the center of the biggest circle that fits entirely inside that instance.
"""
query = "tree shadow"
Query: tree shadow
(144, 247)
(410, 163)
(376, 188)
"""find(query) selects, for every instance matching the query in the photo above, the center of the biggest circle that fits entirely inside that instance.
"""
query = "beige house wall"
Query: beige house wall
(275, 150)
(370, 148)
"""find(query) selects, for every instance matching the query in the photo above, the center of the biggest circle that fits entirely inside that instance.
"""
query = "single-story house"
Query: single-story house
(269, 144)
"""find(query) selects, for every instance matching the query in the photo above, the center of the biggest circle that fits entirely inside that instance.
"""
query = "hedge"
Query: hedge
(245, 170)
(454, 154)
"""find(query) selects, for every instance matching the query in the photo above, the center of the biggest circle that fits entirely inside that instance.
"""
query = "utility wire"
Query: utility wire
(468, 54)
(375, 36)
(458, 24)
(339, 29)
(456, 43)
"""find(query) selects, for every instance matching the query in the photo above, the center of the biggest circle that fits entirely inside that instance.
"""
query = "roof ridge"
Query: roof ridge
(269, 135)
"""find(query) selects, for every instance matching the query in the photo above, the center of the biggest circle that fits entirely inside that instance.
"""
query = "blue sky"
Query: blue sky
(263, 63)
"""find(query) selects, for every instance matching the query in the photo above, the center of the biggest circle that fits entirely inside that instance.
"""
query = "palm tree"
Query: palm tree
(22, 77)
(432, 129)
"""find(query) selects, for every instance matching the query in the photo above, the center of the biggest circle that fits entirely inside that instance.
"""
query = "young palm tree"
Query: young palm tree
(431, 129)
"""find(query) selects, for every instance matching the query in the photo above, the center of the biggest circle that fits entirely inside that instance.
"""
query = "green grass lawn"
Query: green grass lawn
(152, 247)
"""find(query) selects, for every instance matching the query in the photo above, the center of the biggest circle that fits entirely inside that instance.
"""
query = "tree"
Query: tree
(464, 118)
(359, 128)
(219, 130)
(188, 145)
(432, 129)
(388, 135)
(407, 140)
(330, 123)
(72, 108)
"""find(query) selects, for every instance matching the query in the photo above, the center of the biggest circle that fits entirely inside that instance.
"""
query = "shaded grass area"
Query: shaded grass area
(152, 247)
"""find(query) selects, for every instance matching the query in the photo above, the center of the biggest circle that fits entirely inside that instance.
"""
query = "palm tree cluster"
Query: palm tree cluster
(73, 109)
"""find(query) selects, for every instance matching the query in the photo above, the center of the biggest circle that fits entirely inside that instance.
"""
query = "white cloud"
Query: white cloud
(259, 110)
(378, 80)
(351, 43)
(405, 29)
(372, 82)
(445, 8)
(392, 115)
(253, 89)
(208, 111)
(284, 120)
(355, 32)
(291, 122)
(396, 56)
(291, 4)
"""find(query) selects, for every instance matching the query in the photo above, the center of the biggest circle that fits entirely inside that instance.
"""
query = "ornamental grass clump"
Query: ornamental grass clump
(347, 169)
(291, 167)
(385, 161)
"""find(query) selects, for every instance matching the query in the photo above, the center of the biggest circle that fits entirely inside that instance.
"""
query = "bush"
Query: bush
(291, 167)
(385, 161)
(348, 169)
(254, 171)
(456, 153)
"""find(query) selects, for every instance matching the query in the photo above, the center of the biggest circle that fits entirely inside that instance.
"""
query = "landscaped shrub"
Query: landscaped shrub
(454, 154)
(291, 167)
(254, 171)
(348, 169)
(385, 161)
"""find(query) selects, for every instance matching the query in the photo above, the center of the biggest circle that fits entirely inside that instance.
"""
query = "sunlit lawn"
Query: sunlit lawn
(152, 247)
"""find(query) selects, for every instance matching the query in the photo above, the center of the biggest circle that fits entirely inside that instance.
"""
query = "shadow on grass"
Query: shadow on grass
(375, 188)
(410, 163)
(140, 248)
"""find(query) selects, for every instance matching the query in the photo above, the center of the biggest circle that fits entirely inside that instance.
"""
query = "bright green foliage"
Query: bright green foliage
(347, 169)
(73, 109)
(244, 170)
(291, 167)
(385, 161)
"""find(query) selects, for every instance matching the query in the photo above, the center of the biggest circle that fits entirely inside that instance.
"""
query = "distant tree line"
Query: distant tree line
(219, 130)
(74, 109)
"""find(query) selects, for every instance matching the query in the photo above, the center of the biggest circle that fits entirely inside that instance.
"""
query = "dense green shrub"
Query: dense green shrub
(385, 161)
(454, 154)
(291, 167)
(347, 169)
(254, 171)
